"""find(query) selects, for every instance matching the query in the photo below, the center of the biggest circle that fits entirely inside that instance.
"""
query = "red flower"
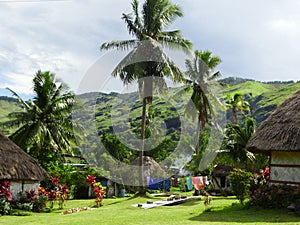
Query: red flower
(52, 195)
(4, 190)
(55, 181)
(90, 179)
(267, 170)
(261, 172)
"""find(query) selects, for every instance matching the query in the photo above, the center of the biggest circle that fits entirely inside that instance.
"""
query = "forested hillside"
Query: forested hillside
(117, 117)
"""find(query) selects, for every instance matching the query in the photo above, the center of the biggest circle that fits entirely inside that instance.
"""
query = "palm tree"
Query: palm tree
(201, 80)
(147, 60)
(236, 139)
(237, 104)
(44, 127)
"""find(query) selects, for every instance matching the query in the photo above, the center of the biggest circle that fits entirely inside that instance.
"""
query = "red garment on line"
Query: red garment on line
(199, 182)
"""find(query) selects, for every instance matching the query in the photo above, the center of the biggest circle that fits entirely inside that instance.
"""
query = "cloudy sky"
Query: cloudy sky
(255, 39)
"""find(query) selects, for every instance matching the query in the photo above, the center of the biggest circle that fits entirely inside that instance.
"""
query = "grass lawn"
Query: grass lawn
(119, 211)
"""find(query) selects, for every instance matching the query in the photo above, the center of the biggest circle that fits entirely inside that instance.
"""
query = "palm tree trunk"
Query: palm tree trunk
(197, 138)
(142, 189)
(234, 116)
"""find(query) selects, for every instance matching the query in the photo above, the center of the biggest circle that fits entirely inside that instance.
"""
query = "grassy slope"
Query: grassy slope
(6, 108)
(265, 97)
(248, 87)
(120, 212)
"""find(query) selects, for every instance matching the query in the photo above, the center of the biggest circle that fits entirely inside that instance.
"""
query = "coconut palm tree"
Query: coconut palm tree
(237, 104)
(147, 60)
(44, 127)
(201, 80)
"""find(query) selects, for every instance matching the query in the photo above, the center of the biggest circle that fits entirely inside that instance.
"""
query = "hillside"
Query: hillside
(263, 98)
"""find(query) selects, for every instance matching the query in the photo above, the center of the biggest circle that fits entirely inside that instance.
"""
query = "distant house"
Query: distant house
(220, 180)
(20, 169)
(279, 137)
(77, 161)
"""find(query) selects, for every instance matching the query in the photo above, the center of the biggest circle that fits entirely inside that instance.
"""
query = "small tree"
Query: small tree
(240, 181)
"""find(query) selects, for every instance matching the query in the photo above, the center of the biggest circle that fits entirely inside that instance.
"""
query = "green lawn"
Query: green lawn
(120, 211)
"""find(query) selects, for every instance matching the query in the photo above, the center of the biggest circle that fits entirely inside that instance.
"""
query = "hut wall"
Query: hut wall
(18, 186)
(285, 167)
(222, 181)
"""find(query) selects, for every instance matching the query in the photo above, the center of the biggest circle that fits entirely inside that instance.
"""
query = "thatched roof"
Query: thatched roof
(281, 130)
(15, 164)
(222, 170)
(151, 167)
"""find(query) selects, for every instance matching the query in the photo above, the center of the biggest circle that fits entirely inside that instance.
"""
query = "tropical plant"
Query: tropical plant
(147, 61)
(240, 181)
(236, 103)
(236, 139)
(5, 198)
(202, 81)
(44, 127)
(97, 188)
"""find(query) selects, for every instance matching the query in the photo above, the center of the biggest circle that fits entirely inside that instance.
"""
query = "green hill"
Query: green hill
(120, 114)
(263, 98)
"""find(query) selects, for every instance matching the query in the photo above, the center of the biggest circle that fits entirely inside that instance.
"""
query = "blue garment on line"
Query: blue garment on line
(189, 184)
(159, 184)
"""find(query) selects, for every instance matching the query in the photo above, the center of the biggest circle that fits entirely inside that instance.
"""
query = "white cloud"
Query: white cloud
(255, 39)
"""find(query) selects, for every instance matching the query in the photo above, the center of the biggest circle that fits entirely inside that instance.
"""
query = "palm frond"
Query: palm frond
(119, 45)
(20, 100)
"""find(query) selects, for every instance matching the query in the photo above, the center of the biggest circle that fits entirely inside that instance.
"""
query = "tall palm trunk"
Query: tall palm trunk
(142, 189)
(197, 137)
(234, 115)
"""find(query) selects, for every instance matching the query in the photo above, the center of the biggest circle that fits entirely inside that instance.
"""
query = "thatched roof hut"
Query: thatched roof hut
(16, 165)
(279, 137)
(151, 167)
(220, 180)
(281, 130)
(222, 170)
(130, 173)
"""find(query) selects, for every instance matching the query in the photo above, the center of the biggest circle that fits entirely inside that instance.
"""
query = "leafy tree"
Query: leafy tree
(202, 80)
(237, 104)
(147, 58)
(116, 149)
(44, 127)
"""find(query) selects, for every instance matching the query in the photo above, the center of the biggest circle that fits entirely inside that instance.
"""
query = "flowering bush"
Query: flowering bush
(5, 198)
(279, 196)
(271, 196)
(5, 193)
(58, 192)
(97, 188)
(55, 192)
(262, 178)
(32, 201)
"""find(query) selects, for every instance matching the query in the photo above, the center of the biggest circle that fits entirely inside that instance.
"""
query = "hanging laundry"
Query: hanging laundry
(199, 182)
(189, 183)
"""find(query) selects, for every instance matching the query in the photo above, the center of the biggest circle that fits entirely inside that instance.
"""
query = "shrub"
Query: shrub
(97, 188)
(40, 204)
(241, 181)
(31, 201)
(70, 176)
(5, 207)
(279, 196)
(5, 198)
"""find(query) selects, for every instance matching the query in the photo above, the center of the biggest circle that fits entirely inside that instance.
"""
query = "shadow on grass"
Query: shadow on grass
(239, 214)
(145, 195)
(193, 202)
